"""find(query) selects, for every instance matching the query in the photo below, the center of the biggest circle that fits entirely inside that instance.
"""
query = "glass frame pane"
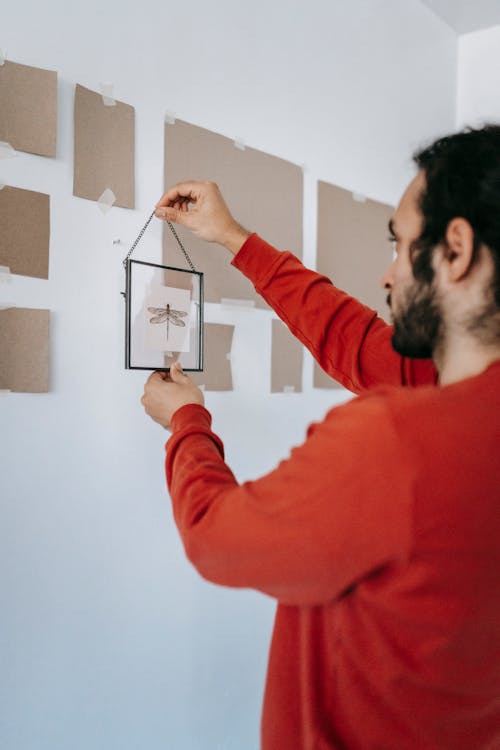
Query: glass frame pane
(163, 302)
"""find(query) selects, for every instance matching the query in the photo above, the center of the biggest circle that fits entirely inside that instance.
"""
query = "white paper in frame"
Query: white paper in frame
(164, 317)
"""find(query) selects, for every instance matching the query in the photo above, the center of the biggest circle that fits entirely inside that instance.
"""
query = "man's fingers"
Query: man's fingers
(177, 215)
(159, 376)
(187, 191)
(155, 377)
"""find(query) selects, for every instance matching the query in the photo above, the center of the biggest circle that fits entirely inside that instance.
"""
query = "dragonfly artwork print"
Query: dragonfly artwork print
(167, 315)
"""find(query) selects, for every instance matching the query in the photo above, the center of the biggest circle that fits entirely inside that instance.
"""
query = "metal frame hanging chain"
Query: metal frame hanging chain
(139, 237)
(181, 245)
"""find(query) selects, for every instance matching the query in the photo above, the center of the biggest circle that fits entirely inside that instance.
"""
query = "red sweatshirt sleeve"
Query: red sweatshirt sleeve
(337, 509)
(350, 342)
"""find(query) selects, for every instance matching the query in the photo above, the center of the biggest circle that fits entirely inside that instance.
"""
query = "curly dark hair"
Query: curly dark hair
(462, 180)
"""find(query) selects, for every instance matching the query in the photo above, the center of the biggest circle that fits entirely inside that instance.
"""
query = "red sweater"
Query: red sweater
(379, 537)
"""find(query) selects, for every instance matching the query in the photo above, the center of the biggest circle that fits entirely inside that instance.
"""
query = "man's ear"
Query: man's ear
(459, 248)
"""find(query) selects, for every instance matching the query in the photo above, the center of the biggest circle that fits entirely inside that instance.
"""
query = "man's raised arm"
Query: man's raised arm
(349, 341)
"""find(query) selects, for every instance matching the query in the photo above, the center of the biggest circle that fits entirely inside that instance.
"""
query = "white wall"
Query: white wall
(478, 98)
(108, 638)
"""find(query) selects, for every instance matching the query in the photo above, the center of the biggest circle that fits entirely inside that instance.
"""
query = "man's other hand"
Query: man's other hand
(200, 207)
(164, 393)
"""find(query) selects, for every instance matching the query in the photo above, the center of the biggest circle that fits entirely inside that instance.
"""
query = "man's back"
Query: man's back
(408, 656)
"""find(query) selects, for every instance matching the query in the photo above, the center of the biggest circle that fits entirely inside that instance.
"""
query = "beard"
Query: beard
(417, 321)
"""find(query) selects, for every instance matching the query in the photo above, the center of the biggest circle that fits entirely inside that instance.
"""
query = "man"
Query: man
(380, 535)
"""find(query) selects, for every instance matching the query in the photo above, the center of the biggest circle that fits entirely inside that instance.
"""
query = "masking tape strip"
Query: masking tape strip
(107, 94)
(4, 391)
(228, 356)
(169, 117)
(2, 185)
(106, 200)
(288, 389)
(239, 144)
(5, 275)
(2, 56)
(228, 302)
(359, 197)
(6, 150)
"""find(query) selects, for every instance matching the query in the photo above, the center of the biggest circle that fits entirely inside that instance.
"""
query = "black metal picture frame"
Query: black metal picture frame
(143, 276)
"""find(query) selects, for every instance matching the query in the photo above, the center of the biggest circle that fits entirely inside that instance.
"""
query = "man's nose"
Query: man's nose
(387, 280)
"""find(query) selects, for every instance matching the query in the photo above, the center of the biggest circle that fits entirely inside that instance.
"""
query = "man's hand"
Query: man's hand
(164, 393)
(200, 207)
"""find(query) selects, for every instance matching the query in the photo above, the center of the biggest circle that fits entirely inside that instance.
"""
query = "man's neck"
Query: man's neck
(464, 358)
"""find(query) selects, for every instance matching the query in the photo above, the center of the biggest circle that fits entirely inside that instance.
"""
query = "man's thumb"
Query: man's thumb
(168, 214)
(185, 218)
(177, 374)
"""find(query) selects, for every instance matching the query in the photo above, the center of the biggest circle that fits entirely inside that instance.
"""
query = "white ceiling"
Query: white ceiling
(467, 15)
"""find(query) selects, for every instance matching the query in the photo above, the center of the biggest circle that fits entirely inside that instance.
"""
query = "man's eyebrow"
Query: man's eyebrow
(391, 228)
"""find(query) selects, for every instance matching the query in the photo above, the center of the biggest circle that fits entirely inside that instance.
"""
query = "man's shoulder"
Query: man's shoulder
(426, 410)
